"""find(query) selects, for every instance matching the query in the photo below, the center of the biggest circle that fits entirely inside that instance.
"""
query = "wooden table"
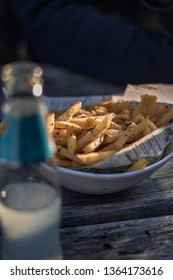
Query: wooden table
(133, 224)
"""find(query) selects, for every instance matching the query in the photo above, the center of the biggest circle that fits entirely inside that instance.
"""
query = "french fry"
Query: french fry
(100, 118)
(141, 106)
(59, 132)
(92, 146)
(65, 152)
(94, 157)
(130, 133)
(152, 126)
(119, 118)
(62, 162)
(118, 107)
(111, 135)
(151, 105)
(69, 113)
(67, 125)
(94, 133)
(86, 123)
(146, 131)
(60, 141)
(84, 132)
(163, 108)
(133, 131)
(100, 109)
(84, 113)
(116, 126)
(165, 118)
(147, 106)
(108, 104)
(71, 141)
(126, 124)
(137, 165)
(138, 118)
(51, 122)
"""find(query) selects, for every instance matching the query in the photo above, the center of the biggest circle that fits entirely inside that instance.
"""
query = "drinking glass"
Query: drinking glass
(30, 220)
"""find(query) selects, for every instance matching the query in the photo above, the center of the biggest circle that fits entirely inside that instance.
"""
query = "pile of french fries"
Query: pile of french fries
(85, 136)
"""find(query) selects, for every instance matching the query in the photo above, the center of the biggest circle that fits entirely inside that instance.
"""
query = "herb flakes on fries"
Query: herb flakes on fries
(86, 136)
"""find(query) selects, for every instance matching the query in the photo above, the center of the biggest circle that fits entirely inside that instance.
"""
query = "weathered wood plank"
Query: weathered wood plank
(153, 197)
(150, 238)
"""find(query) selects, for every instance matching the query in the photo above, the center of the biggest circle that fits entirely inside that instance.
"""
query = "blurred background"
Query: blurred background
(12, 43)
(60, 80)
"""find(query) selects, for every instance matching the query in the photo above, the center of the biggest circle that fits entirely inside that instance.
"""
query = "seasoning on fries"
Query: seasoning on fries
(86, 136)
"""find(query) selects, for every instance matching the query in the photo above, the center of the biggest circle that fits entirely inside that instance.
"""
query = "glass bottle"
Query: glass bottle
(30, 197)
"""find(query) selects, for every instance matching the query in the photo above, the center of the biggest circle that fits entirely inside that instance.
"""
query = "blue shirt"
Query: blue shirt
(79, 36)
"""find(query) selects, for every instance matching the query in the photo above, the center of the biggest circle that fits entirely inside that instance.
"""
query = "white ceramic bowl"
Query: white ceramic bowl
(91, 183)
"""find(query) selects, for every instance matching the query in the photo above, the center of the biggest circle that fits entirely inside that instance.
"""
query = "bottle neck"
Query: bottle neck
(21, 78)
(25, 139)
(24, 106)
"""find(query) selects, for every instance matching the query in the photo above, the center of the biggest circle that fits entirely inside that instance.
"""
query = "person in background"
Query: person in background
(118, 41)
